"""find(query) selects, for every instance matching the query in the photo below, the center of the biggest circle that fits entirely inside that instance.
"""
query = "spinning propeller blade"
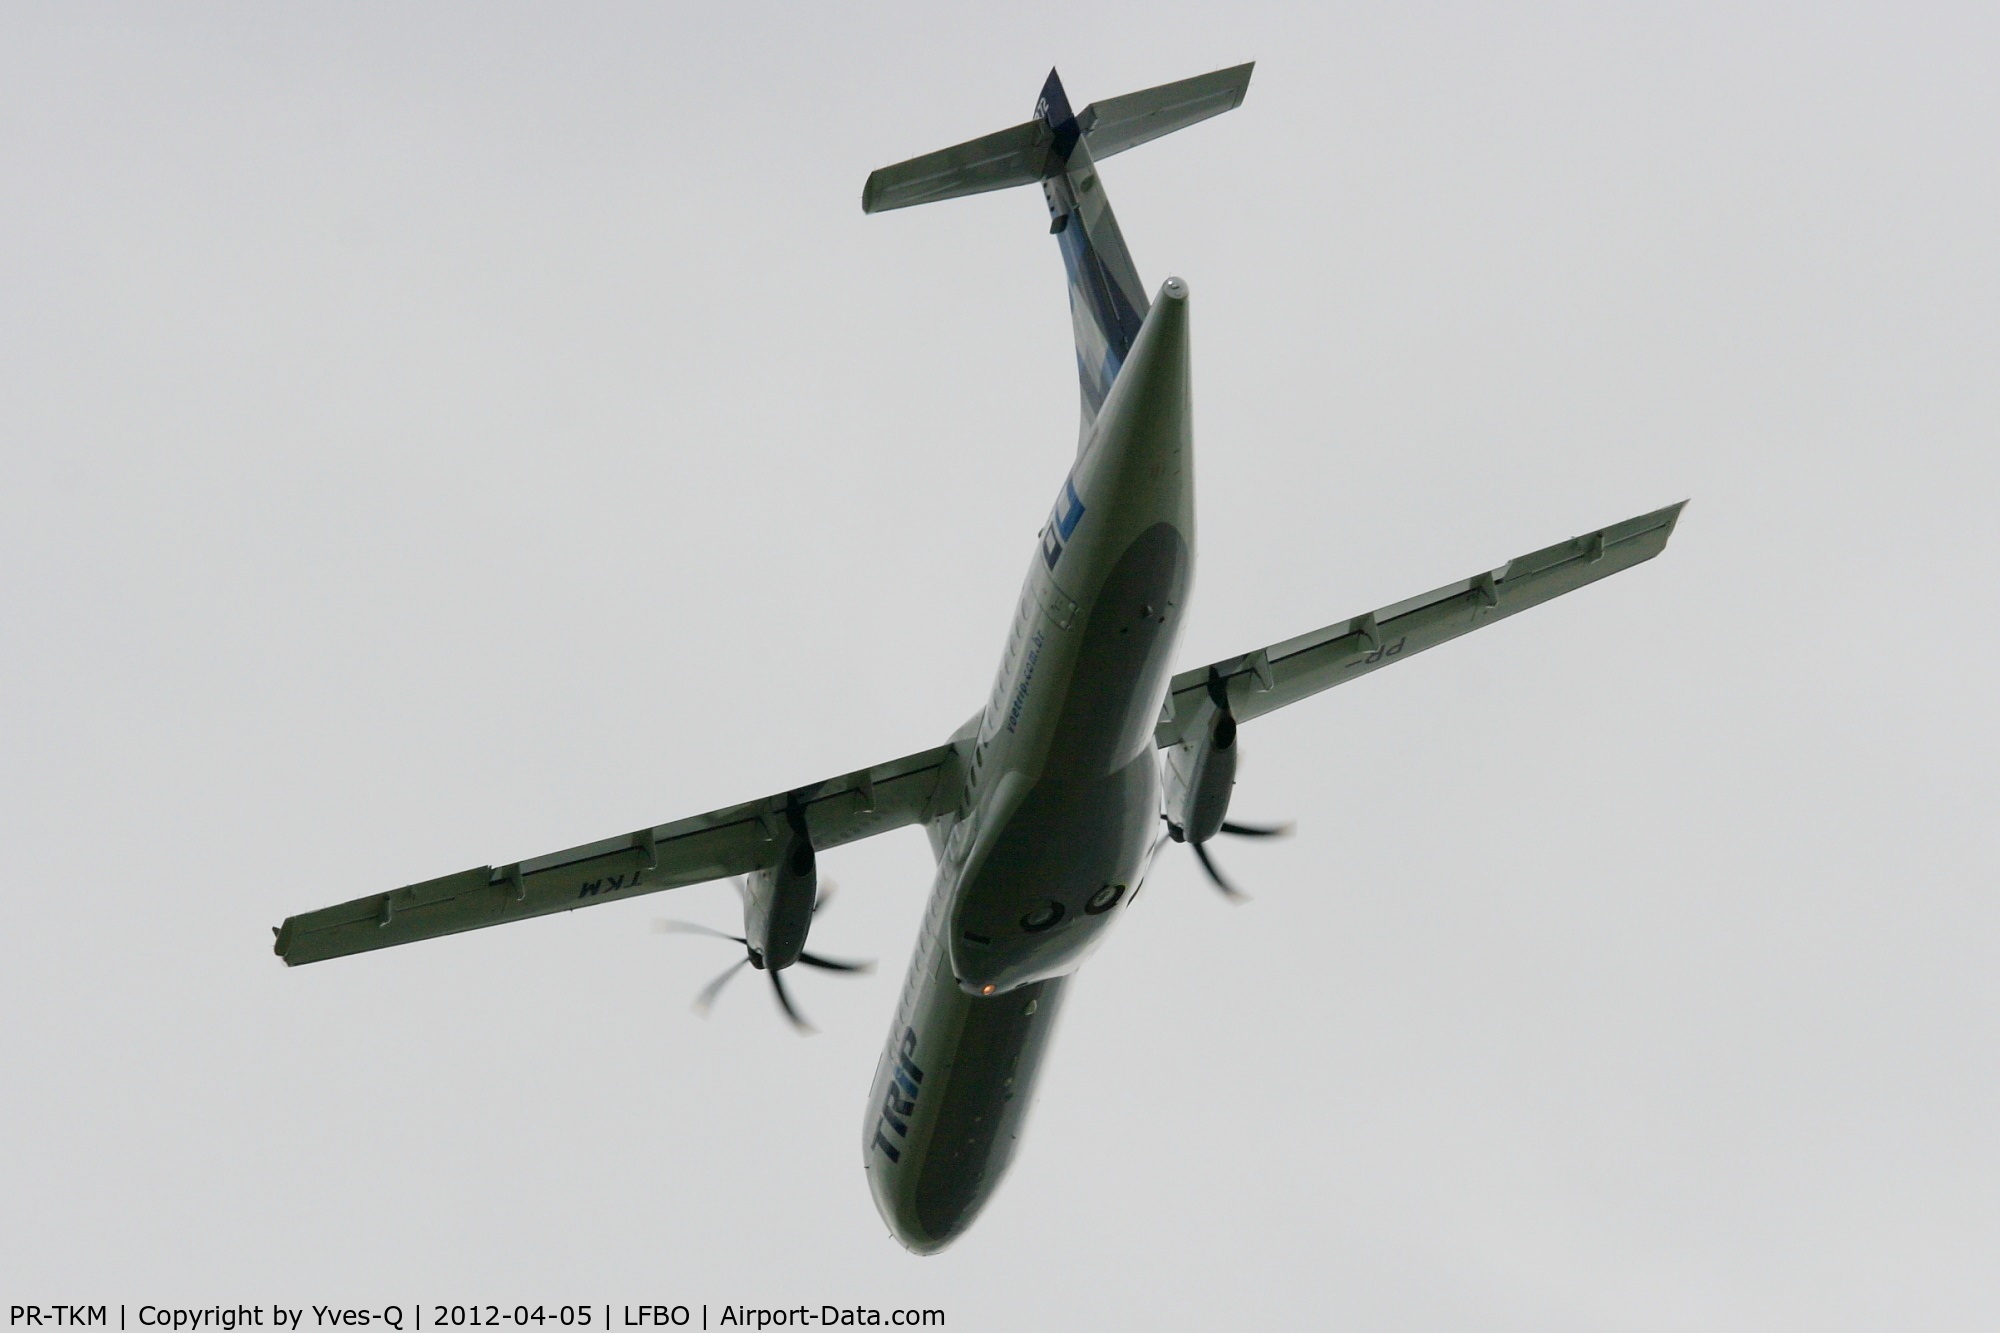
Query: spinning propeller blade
(706, 999)
(834, 964)
(1259, 830)
(1229, 891)
(785, 1002)
(1215, 875)
(694, 928)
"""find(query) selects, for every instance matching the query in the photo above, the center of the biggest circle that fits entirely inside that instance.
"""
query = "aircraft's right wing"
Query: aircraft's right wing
(1284, 673)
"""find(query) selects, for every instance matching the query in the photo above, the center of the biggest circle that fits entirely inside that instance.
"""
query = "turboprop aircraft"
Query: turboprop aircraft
(1046, 808)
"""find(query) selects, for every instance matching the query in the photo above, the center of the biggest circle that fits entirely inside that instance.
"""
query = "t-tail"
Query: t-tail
(1059, 150)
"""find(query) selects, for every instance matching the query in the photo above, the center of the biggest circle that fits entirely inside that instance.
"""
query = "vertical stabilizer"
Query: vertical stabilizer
(1107, 304)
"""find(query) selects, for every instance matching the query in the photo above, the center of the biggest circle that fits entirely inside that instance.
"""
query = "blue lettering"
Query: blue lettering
(1068, 517)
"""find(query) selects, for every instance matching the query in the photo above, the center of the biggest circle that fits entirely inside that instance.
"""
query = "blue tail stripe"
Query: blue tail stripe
(1112, 309)
(1106, 316)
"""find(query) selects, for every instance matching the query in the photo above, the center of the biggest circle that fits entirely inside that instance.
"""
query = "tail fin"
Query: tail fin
(1059, 149)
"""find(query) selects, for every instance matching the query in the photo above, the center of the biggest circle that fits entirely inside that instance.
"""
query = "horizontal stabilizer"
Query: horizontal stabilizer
(1126, 122)
(1030, 151)
(1011, 157)
(1284, 673)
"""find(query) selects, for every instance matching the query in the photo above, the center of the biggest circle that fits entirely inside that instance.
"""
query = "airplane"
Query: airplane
(1046, 809)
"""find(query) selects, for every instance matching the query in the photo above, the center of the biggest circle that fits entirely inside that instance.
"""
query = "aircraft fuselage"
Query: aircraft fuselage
(1060, 803)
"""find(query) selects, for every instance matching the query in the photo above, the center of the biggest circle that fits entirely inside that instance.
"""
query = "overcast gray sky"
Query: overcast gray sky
(439, 434)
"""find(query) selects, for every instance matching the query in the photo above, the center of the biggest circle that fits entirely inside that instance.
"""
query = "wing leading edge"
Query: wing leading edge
(734, 840)
(1284, 673)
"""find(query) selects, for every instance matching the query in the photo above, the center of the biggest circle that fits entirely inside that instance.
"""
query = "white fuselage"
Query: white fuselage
(1058, 806)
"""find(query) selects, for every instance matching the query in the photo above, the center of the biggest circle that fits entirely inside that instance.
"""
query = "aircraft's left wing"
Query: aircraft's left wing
(1284, 673)
(731, 841)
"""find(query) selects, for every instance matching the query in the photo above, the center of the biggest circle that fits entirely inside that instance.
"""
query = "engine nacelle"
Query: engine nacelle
(778, 902)
(1201, 774)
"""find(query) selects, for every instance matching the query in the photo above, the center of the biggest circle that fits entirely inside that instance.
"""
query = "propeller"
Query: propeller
(705, 999)
(1284, 830)
(1215, 875)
